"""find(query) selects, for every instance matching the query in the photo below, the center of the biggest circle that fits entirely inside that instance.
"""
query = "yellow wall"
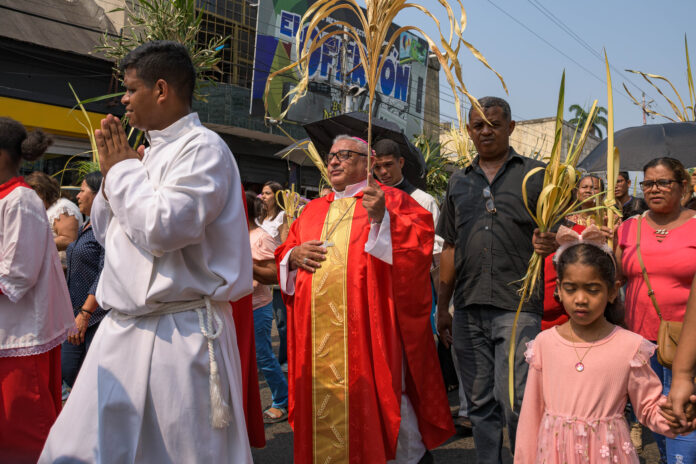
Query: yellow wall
(54, 119)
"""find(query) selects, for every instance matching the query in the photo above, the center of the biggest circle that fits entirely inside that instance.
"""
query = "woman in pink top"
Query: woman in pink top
(668, 248)
(262, 248)
(582, 372)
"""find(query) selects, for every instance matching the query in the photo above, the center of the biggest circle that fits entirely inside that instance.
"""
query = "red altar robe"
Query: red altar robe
(387, 326)
(243, 314)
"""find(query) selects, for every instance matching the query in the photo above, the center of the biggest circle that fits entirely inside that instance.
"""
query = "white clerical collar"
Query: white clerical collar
(399, 183)
(174, 130)
(351, 190)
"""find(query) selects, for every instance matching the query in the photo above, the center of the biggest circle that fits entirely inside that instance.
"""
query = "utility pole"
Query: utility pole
(644, 107)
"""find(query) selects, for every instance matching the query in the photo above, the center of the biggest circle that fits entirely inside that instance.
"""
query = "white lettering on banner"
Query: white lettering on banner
(325, 64)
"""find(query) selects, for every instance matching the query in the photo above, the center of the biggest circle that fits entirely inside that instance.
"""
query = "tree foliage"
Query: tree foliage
(177, 20)
(438, 166)
(581, 115)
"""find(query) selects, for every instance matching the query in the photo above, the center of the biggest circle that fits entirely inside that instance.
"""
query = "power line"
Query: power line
(556, 48)
(565, 28)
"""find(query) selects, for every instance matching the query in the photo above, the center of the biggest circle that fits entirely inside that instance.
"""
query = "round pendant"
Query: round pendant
(580, 367)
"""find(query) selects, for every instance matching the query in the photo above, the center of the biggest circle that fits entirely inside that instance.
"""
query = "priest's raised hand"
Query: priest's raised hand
(112, 144)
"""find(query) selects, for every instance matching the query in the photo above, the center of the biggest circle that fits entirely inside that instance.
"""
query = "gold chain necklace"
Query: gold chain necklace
(328, 235)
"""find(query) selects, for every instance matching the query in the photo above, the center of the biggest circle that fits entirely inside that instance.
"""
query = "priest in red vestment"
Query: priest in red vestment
(364, 379)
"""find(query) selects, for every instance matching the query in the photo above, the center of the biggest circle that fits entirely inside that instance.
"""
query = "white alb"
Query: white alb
(175, 235)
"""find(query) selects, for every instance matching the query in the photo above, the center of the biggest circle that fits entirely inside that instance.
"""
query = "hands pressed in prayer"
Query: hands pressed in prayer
(373, 200)
(544, 243)
(112, 144)
(308, 256)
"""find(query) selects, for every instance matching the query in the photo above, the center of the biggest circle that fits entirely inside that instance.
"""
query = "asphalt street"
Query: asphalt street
(459, 449)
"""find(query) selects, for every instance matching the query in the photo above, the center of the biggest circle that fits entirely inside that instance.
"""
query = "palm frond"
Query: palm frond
(560, 177)
(682, 112)
(375, 47)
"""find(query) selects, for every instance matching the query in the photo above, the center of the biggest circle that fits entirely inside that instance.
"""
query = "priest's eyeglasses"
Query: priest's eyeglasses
(342, 155)
(488, 196)
(662, 184)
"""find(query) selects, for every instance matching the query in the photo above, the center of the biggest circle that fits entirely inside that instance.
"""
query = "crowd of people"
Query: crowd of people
(167, 261)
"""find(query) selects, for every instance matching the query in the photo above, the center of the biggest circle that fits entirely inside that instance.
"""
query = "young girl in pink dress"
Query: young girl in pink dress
(583, 372)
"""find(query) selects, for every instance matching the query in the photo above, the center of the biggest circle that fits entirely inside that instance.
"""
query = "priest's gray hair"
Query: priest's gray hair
(356, 140)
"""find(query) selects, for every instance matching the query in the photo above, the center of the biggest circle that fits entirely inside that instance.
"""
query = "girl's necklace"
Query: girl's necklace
(579, 366)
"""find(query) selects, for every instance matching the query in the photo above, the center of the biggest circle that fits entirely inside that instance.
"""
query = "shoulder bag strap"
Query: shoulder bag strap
(651, 292)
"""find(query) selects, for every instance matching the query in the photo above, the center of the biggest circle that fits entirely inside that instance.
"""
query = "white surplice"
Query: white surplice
(428, 202)
(35, 310)
(174, 230)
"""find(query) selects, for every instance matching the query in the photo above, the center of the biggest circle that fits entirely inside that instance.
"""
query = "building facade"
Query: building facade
(534, 138)
(48, 44)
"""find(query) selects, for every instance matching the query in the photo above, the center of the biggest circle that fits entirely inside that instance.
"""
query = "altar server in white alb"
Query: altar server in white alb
(35, 312)
(161, 382)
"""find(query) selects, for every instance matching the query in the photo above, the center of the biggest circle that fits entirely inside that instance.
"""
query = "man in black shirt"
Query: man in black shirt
(628, 205)
(489, 238)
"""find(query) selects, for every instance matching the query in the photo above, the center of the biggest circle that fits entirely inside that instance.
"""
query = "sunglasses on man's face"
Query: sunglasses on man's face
(488, 196)
(342, 155)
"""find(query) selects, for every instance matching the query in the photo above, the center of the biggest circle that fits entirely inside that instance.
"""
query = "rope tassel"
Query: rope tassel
(220, 414)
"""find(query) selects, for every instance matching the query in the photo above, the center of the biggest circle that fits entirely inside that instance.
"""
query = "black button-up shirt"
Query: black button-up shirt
(492, 250)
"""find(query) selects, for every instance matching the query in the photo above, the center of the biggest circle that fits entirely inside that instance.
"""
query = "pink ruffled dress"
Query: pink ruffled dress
(578, 417)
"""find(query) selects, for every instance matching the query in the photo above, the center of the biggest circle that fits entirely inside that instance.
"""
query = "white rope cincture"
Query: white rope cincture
(211, 328)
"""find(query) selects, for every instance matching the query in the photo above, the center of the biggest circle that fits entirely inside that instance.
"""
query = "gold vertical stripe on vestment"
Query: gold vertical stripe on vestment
(329, 340)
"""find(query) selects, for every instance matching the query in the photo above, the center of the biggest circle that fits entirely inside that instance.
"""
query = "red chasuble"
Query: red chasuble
(353, 325)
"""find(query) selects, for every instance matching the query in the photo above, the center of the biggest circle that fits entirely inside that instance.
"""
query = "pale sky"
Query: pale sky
(641, 35)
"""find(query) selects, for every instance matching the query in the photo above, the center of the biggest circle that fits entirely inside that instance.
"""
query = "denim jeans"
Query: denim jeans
(270, 368)
(281, 316)
(481, 341)
(72, 356)
(680, 450)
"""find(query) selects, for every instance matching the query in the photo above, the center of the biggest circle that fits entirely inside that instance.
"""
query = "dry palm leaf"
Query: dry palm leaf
(555, 202)
(682, 111)
(374, 49)
(289, 201)
(85, 167)
(457, 140)
(613, 162)
(311, 151)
